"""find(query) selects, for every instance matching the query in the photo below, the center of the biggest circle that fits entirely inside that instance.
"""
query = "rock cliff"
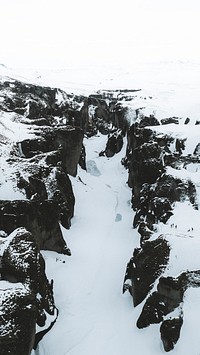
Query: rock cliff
(41, 145)
(157, 163)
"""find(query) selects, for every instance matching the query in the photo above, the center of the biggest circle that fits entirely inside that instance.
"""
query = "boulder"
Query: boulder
(168, 296)
(17, 319)
(114, 144)
(170, 120)
(147, 264)
(170, 332)
(24, 292)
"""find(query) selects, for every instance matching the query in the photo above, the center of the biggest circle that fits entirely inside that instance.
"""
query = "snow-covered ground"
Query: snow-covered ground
(94, 316)
(168, 88)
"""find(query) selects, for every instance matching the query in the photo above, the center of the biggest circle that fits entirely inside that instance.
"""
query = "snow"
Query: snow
(93, 312)
(4, 242)
(189, 132)
(94, 316)
(88, 286)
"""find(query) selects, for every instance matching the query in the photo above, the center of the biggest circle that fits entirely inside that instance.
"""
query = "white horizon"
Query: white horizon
(45, 33)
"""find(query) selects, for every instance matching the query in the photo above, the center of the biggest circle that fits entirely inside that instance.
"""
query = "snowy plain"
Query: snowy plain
(94, 316)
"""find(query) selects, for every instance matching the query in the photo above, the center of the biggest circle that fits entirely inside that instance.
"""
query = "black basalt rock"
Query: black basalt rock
(153, 311)
(147, 264)
(170, 332)
(25, 292)
(40, 218)
(168, 296)
(64, 142)
(63, 195)
(36, 189)
(17, 320)
(148, 121)
(114, 144)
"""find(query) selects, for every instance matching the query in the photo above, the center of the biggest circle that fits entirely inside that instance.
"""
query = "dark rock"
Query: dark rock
(148, 121)
(148, 263)
(170, 332)
(154, 202)
(180, 145)
(30, 147)
(153, 311)
(118, 117)
(82, 159)
(114, 144)
(170, 120)
(41, 334)
(197, 150)
(169, 295)
(35, 101)
(17, 320)
(102, 153)
(63, 195)
(148, 166)
(175, 189)
(187, 120)
(70, 139)
(40, 122)
(66, 141)
(36, 189)
(171, 289)
(40, 218)
(144, 231)
(154, 193)
(22, 280)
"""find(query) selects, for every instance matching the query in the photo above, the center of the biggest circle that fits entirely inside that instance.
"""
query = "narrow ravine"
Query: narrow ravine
(93, 312)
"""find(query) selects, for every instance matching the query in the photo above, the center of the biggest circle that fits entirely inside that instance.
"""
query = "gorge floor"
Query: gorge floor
(93, 312)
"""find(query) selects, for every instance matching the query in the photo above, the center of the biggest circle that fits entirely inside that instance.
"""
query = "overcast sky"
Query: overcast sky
(59, 33)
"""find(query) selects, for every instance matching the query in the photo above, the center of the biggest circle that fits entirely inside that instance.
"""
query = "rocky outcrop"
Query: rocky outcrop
(168, 296)
(53, 147)
(144, 159)
(64, 197)
(64, 144)
(17, 319)
(147, 263)
(155, 200)
(170, 332)
(54, 124)
(40, 164)
(152, 160)
(25, 293)
(40, 218)
(114, 144)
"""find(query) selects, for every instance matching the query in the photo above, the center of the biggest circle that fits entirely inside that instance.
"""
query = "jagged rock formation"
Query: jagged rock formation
(147, 263)
(52, 151)
(40, 218)
(26, 296)
(52, 147)
(150, 156)
(59, 145)
(53, 125)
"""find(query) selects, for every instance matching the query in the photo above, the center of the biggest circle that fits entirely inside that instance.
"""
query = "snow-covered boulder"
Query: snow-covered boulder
(25, 292)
